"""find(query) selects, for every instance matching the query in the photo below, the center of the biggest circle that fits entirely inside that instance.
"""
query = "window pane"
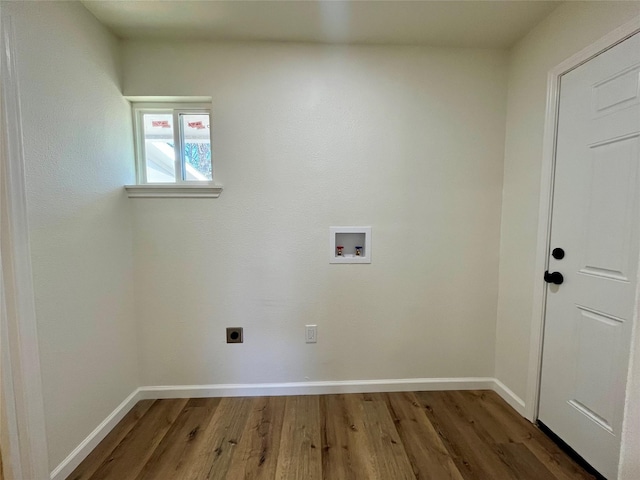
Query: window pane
(197, 147)
(158, 148)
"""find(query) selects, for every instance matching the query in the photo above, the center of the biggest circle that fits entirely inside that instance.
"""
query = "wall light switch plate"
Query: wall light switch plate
(311, 333)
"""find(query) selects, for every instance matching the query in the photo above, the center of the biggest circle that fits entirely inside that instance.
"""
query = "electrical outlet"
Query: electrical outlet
(311, 333)
(234, 334)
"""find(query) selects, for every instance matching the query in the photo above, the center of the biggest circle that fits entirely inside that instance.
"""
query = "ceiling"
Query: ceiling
(487, 24)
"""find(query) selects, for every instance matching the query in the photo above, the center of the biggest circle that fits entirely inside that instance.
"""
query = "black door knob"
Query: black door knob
(554, 277)
(557, 253)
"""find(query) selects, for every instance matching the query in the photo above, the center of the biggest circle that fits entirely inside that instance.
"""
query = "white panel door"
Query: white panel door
(596, 222)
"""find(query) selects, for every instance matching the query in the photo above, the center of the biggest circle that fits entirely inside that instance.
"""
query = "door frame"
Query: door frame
(610, 40)
(23, 435)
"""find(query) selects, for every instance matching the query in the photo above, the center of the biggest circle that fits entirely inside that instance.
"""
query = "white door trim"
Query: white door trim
(22, 387)
(546, 201)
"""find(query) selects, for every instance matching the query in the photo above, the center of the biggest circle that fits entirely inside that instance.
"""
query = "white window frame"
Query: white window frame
(181, 187)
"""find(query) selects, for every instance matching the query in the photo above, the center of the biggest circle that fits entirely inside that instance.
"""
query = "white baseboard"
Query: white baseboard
(317, 388)
(508, 396)
(81, 452)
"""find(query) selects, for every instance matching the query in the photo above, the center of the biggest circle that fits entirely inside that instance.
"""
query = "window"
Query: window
(173, 150)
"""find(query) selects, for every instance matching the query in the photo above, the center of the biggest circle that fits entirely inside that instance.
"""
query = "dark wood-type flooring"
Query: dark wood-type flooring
(387, 436)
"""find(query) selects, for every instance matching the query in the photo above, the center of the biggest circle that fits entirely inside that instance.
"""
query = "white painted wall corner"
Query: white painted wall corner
(69, 464)
(511, 398)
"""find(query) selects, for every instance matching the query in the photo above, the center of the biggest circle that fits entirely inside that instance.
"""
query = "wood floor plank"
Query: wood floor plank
(300, 454)
(475, 412)
(183, 436)
(129, 457)
(256, 455)
(520, 430)
(88, 467)
(388, 451)
(475, 459)
(428, 455)
(461, 407)
(345, 450)
(389, 436)
(212, 456)
(511, 449)
(524, 464)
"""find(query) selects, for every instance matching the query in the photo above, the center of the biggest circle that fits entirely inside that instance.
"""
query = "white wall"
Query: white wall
(407, 140)
(629, 467)
(78, 151)
(569, 28)
(566, 31)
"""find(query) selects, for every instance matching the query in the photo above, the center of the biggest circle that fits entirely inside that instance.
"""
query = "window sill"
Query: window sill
(173, 191)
